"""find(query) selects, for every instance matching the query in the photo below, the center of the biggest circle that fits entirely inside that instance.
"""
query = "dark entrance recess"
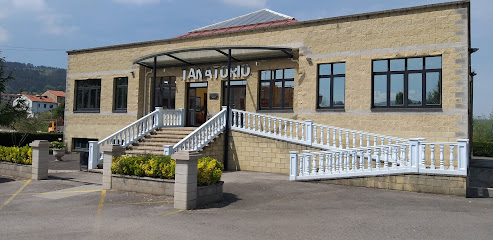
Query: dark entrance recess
(197, 104)
(238, 94)
(165, 92)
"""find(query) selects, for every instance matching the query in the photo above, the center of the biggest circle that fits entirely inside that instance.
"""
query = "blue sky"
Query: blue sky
(40, 31)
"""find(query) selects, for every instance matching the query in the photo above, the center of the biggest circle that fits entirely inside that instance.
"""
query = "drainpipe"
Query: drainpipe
(228, 114)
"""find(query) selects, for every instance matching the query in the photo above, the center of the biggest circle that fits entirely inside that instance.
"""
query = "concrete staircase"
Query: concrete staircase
(153, 143)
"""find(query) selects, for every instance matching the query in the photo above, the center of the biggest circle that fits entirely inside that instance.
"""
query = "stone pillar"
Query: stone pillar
(168, 150)
(309, 132)
(40, 159)
(108, 152)
(186, 179)
(293, 165)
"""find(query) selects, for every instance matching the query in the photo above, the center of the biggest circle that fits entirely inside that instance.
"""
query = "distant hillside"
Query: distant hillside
(34, 79)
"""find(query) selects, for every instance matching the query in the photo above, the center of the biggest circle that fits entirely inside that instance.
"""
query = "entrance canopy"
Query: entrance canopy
(212, 55)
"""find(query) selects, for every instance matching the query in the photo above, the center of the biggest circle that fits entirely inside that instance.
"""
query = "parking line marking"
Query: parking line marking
(15, 181)
(101, 202)
(15, 194)
(167, 214)
(137, 203)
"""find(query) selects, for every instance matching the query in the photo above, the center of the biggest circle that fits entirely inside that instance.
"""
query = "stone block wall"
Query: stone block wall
(147, 185)
(423, 183)
(15, 170)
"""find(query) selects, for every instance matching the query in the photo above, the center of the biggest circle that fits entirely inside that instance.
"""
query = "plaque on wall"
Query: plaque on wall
(213, 96)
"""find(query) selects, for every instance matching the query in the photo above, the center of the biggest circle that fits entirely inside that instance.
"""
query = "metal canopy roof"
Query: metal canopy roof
(213, 55)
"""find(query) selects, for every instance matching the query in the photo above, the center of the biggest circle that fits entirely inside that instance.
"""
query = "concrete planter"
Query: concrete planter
(156, 186)
(58, 153)
(15, 170)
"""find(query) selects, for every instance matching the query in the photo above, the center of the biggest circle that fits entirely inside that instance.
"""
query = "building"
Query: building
(36, 104)
(8, 98)
(402, 72)
(57, 96)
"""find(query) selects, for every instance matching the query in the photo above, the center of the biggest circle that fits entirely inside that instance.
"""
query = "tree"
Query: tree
(4, 77)
(9, 114)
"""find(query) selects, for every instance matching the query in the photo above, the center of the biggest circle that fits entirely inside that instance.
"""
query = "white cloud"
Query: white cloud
(4, 35)
(32, 5)
(137, 2)
(246, 3)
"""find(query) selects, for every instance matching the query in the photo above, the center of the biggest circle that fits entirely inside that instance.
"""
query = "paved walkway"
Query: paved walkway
(71, 205)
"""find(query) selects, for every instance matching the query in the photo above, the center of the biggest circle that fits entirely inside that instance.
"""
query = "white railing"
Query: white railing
(416, 156)
(135, 131)
(201, 136)
(306, 132)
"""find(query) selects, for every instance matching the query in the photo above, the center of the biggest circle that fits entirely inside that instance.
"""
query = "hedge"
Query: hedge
(209, 170)
(21, 155)
(482, 149)
(10, 139)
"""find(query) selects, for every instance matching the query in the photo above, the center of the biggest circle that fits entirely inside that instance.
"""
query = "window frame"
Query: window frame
(116, 108)
(89, 89)
(331, 76)
(406, 74)
(272, 82)
(170, 88)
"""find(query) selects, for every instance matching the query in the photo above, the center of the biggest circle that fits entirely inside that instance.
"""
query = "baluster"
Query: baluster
(279, 130)
(355, 161)
(423, 155)
(328, 163)
(404, 155)
(307, 163)
(340, 138)
(386, 158)
(334, 137)
(328, 136)
(382, 140)
(377, 158)
(314, 164)
(442, 167)
(315, 130)
(375, 139)
(370, 159)
(302, 131)
(347, 139)
(265, 124)
(368, 140)
(321, 163)
(275, 126)
(347, 165)
(394, 156)
(451, 167)
(338, 162)
(354, 138)
(360, 139)
(362, 160)
(432, 150)
(291, 129)
(297, 127)
(321, 135)
(285, 128)
(302, 163)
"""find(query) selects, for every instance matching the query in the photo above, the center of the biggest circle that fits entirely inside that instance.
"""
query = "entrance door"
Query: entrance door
(197, 104)
(238, 94)
(165, 92)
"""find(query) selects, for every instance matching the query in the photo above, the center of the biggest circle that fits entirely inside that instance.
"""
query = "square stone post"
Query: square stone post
(182, 117)
(186, 179)
(168, 150)
(294, 166)
(108, 152)
(309, 132)
(40, 159)
(94, 156)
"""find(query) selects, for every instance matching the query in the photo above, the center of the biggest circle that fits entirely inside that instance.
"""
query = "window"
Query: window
(331, 81)
(121, 94)
(51, 105)
(276, 89)
(45, 105)
(165, 92)
(407, 83)
(88, 95)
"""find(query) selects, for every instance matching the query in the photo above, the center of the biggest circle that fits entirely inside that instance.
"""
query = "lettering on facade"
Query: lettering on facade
(237, 71)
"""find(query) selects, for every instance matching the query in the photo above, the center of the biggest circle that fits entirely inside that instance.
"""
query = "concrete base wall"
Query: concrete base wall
(437, 184)
(15, 170)
(205, 194)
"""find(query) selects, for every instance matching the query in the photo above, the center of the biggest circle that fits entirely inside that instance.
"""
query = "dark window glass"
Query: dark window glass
(276, 89)
(411, 82)
(88, 95)
(165, 92)
(331, 85)
(121, 93)
(81, 143)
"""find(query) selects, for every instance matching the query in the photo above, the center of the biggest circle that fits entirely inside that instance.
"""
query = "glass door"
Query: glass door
(165, 92)
(197, 104)
(238, 94)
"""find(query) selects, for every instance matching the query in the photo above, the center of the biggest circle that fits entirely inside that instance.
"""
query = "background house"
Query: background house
(36, 103)
(57, 96)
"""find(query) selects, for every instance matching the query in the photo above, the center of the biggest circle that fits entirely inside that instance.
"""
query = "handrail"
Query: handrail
(201, 136)
(136, 131)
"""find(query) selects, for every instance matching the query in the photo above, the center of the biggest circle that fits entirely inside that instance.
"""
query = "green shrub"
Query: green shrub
(11, 139)
(482, 149)
(57, 145)
(21, 155)
(209, 170)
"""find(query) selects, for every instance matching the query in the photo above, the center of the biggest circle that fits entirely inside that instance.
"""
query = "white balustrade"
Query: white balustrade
(135, 131)
(415, 156)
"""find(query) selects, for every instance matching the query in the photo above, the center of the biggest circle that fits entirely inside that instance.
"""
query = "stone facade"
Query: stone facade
(432, 30)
